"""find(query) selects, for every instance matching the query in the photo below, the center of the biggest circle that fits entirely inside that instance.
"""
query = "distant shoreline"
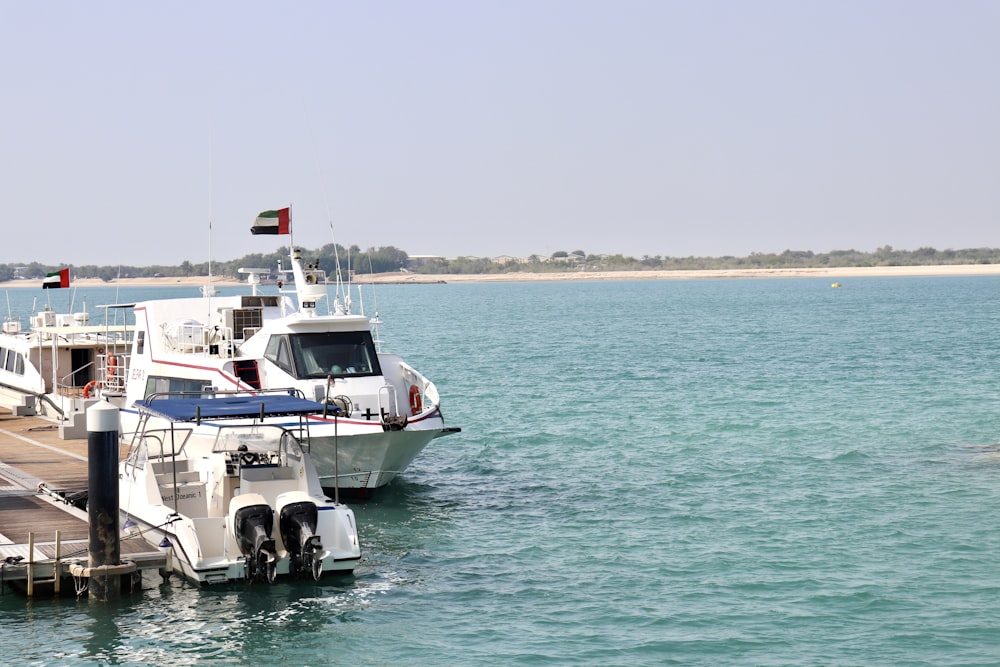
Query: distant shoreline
(835, 273)
(193, 281)
(828, 273)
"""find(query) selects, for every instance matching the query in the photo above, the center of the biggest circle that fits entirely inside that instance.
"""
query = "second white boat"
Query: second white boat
(388, 410)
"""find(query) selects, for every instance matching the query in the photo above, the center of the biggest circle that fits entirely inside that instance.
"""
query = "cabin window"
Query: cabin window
(3, 358)
(9, 364)
(278, 354)
(19, 364)
(160, 385)
(324, 354)
(140, 342)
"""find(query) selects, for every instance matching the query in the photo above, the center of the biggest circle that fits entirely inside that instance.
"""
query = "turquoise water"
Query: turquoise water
(718, 472)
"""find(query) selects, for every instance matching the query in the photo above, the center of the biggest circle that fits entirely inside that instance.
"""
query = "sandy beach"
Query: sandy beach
(833, 274)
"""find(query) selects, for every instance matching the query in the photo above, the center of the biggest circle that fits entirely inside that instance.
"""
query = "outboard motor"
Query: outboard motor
(297, 520)
(252, 519)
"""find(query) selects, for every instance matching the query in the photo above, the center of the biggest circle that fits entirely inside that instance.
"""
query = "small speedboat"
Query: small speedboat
(231, 494)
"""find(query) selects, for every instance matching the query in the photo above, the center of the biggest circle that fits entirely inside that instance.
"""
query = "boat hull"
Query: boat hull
(367, 460)
(188, 542)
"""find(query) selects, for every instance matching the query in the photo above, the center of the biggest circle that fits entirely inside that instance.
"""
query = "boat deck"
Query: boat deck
(32, 454)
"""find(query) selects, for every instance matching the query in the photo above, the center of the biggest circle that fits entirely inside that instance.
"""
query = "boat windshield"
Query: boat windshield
(326, 353)
(258, 444)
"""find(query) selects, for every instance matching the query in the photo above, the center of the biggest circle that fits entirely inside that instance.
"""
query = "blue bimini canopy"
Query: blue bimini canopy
(231, 407)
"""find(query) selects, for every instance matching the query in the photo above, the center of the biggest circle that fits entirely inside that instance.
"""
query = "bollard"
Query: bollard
(104, 549)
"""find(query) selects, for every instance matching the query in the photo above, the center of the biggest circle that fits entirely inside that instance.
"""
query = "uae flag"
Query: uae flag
(57, 279)
(273, 222)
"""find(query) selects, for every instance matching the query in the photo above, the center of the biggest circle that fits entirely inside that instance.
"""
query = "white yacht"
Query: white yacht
(388, 411)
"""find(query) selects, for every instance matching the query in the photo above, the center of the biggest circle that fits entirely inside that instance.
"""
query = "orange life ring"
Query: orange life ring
(416, 403)
(112, 365)
(89, 386)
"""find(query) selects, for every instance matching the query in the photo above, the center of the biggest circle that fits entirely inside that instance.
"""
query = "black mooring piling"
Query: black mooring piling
(104, 551)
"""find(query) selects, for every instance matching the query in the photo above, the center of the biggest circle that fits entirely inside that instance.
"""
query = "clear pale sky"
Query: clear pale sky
(514, 127)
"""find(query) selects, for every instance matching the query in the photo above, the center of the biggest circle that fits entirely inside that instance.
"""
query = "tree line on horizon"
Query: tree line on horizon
(389, 259)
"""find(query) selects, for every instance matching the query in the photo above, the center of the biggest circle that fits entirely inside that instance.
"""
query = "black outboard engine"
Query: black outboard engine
(252, 524)
(297, 523)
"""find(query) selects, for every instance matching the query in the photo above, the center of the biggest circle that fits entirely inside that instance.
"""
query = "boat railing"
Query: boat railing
(150, 447)
(197, 338)
(67, 384)
(185, 337)
(114, 370)
(388, 401)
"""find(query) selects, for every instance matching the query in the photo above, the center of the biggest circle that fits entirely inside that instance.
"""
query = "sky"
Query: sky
(145, 133)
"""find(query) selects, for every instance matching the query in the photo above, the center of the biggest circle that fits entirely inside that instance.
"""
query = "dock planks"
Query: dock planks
(32, 446)
(31, 452)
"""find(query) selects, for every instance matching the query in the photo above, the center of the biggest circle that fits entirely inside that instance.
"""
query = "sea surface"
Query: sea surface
(703, 472)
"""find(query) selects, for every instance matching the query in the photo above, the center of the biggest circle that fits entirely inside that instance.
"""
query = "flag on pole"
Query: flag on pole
(273, 222)
(57, 279)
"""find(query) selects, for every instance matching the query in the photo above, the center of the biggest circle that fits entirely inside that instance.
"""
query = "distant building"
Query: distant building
(417, 260)
(508, 259)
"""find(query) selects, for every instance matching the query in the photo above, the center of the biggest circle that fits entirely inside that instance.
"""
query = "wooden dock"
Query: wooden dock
(43, 534)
